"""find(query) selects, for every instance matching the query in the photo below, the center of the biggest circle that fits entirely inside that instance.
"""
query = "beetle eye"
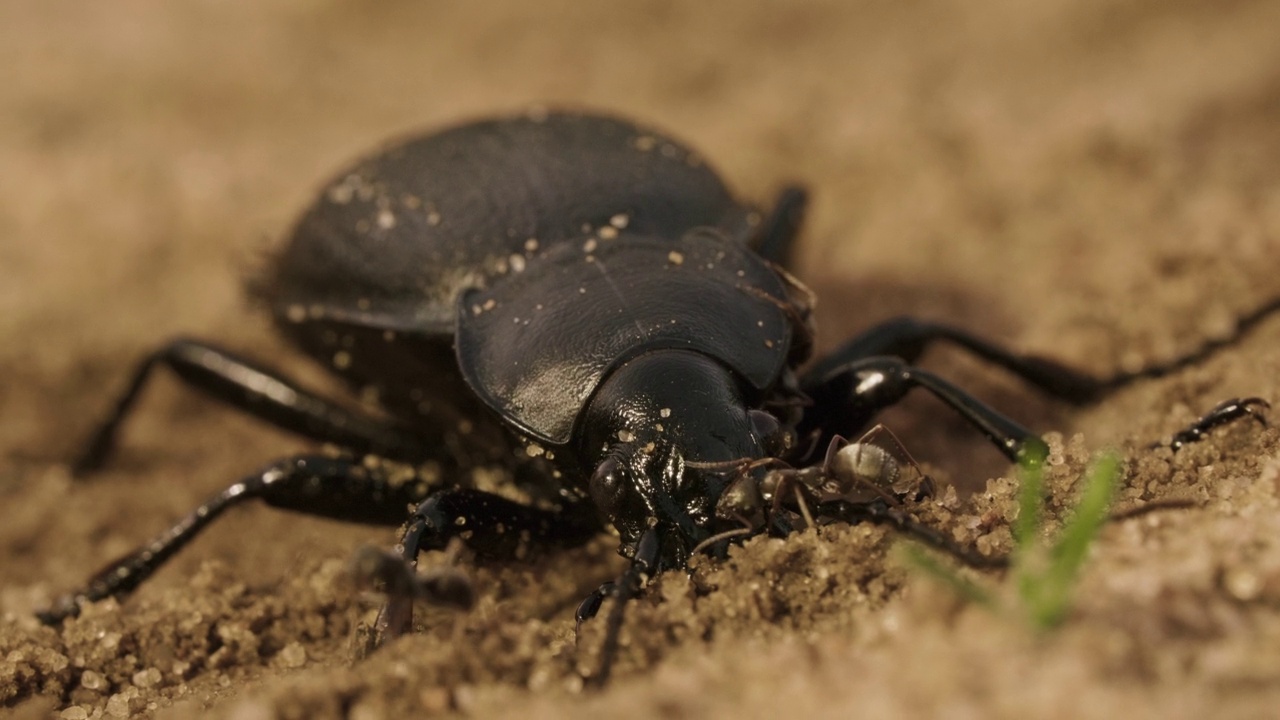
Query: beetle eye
(773, 439)
(606, 486)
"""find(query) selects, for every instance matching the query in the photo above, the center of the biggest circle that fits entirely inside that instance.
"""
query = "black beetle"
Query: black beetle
(579, 300)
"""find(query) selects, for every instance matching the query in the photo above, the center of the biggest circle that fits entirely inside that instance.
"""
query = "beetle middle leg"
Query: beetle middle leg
(493, 526)
(907, 338)
(846, 399)
(265, 394)
(873, 370)
(341, 488)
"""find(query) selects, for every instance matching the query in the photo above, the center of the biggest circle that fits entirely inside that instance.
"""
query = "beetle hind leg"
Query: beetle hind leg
(775, 239)
(260, 392)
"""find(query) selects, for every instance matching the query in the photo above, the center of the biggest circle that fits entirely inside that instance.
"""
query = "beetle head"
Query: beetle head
(666, 432)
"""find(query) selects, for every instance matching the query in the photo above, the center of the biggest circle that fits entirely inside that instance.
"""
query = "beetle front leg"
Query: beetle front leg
(338, 488)
(491, 525)
(260, 392)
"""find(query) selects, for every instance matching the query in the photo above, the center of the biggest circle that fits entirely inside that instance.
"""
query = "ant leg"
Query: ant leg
(491, 525)
(338, 488)
(257, 391)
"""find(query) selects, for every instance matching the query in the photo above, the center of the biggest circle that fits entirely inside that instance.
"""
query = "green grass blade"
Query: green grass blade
(1072, 547)
(1044, 579)
(1030, 495)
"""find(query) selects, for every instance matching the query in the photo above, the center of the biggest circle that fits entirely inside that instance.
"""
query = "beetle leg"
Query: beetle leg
(872, 371)
(386, 571)
(444, 585)
(491, 525)
(257, 391)
(907, 338)
(845, 400)
(1225, 412)
(778, 230)
(644, 565)
(339, 488)
(1244, 324)
(590, 606)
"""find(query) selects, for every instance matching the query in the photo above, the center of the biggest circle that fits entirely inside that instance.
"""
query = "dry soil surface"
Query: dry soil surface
(1095, 181)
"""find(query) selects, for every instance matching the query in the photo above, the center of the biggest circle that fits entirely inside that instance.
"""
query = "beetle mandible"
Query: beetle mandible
(579, 300)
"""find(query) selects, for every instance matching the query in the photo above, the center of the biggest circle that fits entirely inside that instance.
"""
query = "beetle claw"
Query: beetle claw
(395, 578)
(1223, 413)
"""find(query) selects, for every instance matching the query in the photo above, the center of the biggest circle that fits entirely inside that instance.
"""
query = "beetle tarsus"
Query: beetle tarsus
(643, 566)
(1244, 325)
(1225, 412)
(391, 575)
(590, 606)
(442, 585)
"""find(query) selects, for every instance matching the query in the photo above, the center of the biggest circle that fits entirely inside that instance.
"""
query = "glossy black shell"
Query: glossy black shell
(536, 345)
(555, 227)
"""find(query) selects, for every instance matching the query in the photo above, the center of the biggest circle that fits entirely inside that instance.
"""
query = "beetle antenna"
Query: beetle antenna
(722, 465)
(742, 464)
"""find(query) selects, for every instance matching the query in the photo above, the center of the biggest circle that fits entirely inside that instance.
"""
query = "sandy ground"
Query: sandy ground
(1094, 181)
